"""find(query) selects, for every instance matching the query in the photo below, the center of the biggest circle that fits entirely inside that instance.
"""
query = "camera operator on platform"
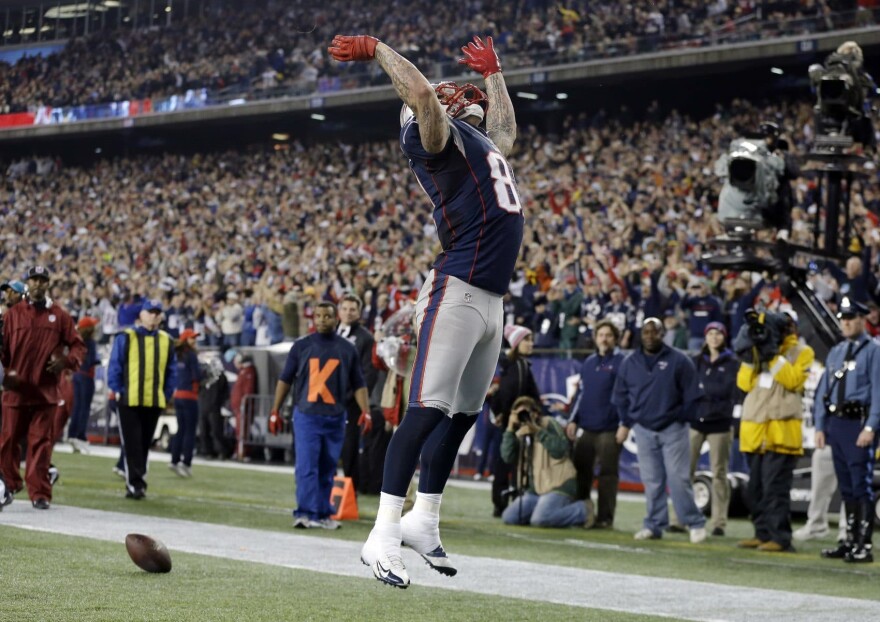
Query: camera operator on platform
(843, 89)
(847, 413)
(775, 365)
(778, 214)
(538, 449)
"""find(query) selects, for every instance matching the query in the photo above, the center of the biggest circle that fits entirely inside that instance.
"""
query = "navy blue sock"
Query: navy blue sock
(440, 450)
(406, 445)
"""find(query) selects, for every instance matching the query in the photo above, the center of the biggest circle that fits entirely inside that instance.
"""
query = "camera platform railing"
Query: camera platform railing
(832, 166)
(739, 249)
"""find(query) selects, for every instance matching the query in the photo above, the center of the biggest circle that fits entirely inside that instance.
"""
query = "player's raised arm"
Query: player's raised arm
(412, 87)
(500, 119)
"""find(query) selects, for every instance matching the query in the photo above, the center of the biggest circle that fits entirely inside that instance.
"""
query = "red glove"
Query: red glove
(481, 57)
(276, 423)
(366, 421)
(357, 47)
(392, 416)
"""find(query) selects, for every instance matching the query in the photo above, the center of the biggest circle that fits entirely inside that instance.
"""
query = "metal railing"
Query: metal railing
(254, 430)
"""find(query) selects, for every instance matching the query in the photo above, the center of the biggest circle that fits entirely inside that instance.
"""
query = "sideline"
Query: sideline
(673, 598)
(111, 451)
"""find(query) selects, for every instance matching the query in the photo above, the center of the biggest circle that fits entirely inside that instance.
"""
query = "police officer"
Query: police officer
(847, 414)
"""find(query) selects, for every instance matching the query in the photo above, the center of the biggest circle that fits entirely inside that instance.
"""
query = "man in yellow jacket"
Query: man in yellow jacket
(771, 432)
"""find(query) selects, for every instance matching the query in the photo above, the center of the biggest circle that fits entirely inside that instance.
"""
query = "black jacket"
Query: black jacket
(718, 381)
(363, 341)
(213, 390)
(515, 380)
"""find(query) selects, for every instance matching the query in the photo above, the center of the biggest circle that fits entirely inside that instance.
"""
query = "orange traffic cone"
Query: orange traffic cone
(343, 499)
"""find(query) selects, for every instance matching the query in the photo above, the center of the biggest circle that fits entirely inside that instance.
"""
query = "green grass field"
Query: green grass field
(67, 578)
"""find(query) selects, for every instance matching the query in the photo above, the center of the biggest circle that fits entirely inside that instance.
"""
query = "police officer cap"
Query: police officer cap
(152, 305)
(38, 272)
(850, 308)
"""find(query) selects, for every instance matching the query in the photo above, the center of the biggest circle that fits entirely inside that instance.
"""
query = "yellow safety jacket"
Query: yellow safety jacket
(146, 359)
(773, 409)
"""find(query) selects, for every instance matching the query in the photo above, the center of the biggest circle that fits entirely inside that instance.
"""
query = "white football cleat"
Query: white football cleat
(420, 531)
(389, 569)
(381, 552)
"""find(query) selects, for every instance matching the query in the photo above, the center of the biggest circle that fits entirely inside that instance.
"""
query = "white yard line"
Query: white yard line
(673, 598)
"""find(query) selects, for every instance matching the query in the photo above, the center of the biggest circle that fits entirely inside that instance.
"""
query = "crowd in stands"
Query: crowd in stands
(240, 245)
(281, 46)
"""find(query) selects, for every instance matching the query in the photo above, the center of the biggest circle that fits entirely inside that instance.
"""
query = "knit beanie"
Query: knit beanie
(515, 334)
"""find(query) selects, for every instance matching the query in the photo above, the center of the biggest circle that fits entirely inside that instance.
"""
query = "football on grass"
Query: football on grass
(148, 553)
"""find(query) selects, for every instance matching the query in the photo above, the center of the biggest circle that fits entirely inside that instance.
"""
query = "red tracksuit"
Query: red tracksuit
(30, 336)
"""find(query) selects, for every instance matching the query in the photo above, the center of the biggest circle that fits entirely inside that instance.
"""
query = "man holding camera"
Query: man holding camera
(537, 448)
(847, 413)
(775, 365)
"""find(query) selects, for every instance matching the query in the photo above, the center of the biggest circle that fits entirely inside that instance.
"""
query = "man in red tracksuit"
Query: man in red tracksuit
(34, 336)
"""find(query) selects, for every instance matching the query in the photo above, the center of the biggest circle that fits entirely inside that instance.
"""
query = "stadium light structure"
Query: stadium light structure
(75, 10)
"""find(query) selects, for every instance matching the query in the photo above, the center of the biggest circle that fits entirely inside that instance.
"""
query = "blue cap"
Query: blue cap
(16, 286)
(850, 308)
(152, 304)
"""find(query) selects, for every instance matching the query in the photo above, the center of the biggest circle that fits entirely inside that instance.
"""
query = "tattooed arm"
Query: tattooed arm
(413, 88)
(500, 119)
(417, 93)
(500, 122)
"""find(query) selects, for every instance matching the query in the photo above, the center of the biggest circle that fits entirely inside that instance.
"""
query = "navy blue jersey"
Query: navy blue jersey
(324, 368)
(477, 209)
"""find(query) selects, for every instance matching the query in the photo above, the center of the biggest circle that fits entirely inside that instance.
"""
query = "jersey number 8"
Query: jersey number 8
(505, 189)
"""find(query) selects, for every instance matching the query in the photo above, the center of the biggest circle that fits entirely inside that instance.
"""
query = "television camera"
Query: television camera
(841, 86)
(761, 334)
(751, 174)
(756, 174)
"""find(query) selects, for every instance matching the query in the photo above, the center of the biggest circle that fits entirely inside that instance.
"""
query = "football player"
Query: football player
(462, 168)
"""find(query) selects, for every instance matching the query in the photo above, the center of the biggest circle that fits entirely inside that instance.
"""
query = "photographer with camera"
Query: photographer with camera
(778, 214)
(847, 413)
(538, 450)
(775, 365)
